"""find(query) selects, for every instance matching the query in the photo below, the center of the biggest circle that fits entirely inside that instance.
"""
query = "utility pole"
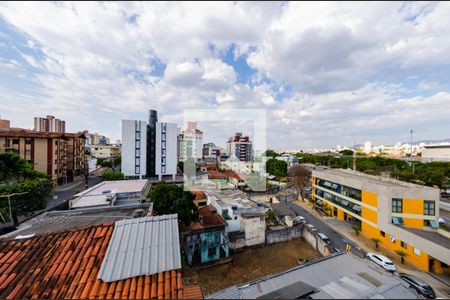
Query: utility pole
(9, 202)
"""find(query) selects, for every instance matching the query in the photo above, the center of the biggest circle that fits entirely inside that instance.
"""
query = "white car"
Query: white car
(382, 261)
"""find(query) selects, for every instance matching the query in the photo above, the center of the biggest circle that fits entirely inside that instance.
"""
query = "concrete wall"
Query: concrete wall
(255, 230)
(283, 235)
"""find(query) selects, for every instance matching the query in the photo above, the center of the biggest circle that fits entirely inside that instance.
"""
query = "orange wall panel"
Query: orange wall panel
(369, 198)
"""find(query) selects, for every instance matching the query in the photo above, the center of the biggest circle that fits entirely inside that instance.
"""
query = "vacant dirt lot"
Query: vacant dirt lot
(250, 264)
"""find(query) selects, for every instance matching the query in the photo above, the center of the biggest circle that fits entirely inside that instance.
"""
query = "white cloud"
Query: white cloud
(94, 64)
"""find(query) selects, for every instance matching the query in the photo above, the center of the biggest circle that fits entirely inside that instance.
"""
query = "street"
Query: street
(66, 194)
(336, 240)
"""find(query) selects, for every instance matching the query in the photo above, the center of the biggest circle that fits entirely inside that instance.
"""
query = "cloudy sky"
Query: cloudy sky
(327, 73)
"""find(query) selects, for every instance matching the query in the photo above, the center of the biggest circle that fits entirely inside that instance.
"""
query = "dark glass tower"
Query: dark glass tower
(151, 143)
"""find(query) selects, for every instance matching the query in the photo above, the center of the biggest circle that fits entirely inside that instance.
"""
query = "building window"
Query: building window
(428, 208)
(27, 141)
(137, 170)
(163, 169)
(382, 233)
(138, 153)
(137, 161)
(404, 245)
(416, 251)
(212, 251)
(15, 141)
(138, 144)
(163, 160)
(397, 205)
(163, 145)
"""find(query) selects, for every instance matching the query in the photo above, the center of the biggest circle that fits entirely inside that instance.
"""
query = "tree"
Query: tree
(180, 166)
(299, 179)
(18, 176)
(117, 161)
(104, 162)
(376, 241)
(402, 255)
(270, 214)
(356, 229)
(271, 153)
(172, 199)
(276, 167)
(110, 175)
(37, 190)
(346, 152)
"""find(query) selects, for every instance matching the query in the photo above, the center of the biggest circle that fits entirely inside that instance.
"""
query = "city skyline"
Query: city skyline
(323, 72)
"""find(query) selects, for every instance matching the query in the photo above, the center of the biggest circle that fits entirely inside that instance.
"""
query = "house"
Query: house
(200, 198)
(112, 193)
(234, 179)
(219, 179)
(89, 262)
(205, 240)
(337, 276)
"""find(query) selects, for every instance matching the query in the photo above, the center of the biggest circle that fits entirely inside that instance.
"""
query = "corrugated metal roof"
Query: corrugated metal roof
(142, 246)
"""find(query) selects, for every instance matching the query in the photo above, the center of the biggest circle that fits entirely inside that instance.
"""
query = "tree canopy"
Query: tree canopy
(276, 167)
(18, 176)
(431, 174)
(271, 153)
(109, 175)
(172, 199)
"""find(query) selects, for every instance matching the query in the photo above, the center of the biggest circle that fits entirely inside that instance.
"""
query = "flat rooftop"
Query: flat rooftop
(97, 195)
(230, 197)
(372, 178)
(338, 276)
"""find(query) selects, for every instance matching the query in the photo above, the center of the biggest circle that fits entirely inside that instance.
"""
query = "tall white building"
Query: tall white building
(134, 148)
(149, 151)
(367, 147)
(190, 142)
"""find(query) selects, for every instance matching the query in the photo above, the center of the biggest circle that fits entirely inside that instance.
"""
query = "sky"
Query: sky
(326, 73)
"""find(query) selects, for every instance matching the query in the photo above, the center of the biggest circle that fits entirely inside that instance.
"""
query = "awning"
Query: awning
(434, 224)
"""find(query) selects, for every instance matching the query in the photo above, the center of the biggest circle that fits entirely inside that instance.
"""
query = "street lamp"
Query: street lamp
(9, 201)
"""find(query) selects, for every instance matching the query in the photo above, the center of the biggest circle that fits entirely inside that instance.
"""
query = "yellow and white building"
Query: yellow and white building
(403, 216)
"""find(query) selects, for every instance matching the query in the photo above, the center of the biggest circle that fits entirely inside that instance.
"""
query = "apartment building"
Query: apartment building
(49, 124)
(149, 150)
(403, 216)
(134, 149)
(191, 142)
(104, 151)
(240, 146)
(59, 155)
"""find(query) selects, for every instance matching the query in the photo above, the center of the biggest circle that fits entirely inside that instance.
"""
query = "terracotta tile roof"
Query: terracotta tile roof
(213, 174)
(209, 218)
(199, 195)
(66, 265)
(232, 174)
(211, 167)
(22, 132)
(193, 292)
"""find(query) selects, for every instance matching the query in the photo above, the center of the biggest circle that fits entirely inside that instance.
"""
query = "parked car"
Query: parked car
(419, 286)
(382, 261)
(324, 237)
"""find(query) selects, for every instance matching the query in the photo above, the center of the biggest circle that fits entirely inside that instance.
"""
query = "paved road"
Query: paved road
(337, 241)
(67, 194)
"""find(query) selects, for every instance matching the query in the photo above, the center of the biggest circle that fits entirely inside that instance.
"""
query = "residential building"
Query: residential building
(211, 150)
(231, 205)
(112, 193)
(436, 153)
(338, 276)
(367, 147)
(59, 155)
(89, 262)
(206, 238)
(403, 216)
(134, 149)
(103, 151)
(49, 124)
(290, 159)
(240, 146)
(166, 150)
(149, 151)
(191, 141)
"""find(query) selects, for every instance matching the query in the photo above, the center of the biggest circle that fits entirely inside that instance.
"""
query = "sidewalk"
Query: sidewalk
(439, 283)
(64, 187)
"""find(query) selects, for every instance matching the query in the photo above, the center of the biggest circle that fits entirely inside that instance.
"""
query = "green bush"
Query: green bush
(110, 175)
